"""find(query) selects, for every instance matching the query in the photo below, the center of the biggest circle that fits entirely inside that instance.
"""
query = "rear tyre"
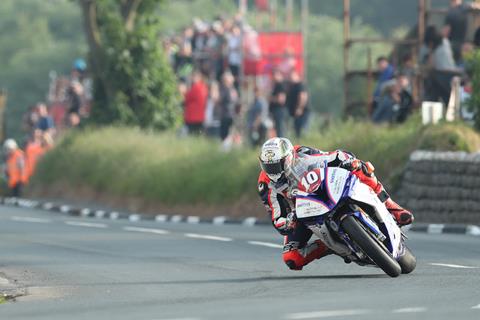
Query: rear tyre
(407, 262)
(369, 244)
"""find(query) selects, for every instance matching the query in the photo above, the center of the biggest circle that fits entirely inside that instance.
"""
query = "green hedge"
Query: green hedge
(162, 167)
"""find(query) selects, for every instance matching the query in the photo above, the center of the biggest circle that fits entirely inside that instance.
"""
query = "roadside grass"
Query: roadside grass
(129, 162)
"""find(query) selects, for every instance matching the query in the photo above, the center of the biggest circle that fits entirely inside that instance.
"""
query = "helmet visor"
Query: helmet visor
(273, 168)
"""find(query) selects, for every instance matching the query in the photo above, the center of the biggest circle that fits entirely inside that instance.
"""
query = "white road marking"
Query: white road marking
(99, 214)
(86, 224)
(435, 228)
(114, 215)
(146, 230)
(325, 314)
(410, 310)
(161, 218)
(85, 212)
(265, 244)
(206, 236)
(179, 319)
(452, 266)
(193, 219)
(219, 220)
(250, 221)
(30, 219)
(176, 218)
(476, 307)
(134, 217)
(473, 230)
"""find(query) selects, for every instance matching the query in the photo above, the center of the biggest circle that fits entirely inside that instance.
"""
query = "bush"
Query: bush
(129, 162)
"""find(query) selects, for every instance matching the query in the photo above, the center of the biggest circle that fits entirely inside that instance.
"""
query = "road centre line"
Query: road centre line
(457, 266)
(206, 237)
(29, 219)
(179, 319)
(325, 314)
(266, 244)
(86, 224)
(146, 230)
(410, 310)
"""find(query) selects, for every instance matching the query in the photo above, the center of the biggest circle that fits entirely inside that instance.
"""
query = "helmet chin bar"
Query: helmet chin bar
(275, 177)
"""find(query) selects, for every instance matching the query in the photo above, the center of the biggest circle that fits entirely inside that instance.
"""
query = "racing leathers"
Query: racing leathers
(279, 200)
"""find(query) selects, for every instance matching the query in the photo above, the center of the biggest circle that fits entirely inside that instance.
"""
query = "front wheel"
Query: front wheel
(370, 245)
(407, 261)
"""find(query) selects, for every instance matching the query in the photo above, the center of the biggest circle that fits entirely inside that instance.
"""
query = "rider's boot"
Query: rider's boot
(296, 258)
(402, 216)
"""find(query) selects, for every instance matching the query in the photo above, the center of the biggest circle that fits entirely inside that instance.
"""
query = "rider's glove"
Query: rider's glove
(284, 225)
(355, 164)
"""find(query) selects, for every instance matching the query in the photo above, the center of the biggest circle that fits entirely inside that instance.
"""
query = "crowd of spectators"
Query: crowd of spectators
(207, 59)
(68, 102)
(443, 60)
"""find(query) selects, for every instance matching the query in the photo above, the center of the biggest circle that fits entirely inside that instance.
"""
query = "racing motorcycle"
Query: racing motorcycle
(352, 221)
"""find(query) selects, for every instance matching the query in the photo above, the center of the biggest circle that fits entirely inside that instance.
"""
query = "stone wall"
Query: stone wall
(442, 187)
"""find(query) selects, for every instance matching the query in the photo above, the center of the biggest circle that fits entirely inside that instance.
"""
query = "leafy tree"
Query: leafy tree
(133, 83)
(36, 36)
(474, 72)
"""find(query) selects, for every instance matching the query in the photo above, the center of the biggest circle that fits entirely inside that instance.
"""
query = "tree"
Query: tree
(473, 67)
(133, 83)
(36, 37)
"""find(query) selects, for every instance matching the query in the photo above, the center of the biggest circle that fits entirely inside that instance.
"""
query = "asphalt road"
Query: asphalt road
(77, 268)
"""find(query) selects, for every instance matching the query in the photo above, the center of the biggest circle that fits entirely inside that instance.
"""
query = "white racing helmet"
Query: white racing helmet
(9, 145)
(276, 157)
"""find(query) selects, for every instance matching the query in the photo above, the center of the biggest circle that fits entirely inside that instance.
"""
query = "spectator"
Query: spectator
(30, 119)
(212, 113)
(228, 102)
(235, 52)
(297, 103)
(406, 99)
(14, 168)
(45, 121)
(75, 97)
(288, 64)
(34, 149)
(277, 103)
(257, 119)
(195, 104)
(389, 102)
(455, 27)
(183, 62)
(386, 73)
(437, 54)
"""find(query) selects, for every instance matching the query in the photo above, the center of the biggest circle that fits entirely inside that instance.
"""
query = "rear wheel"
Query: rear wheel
(407, 261)
(371, 246)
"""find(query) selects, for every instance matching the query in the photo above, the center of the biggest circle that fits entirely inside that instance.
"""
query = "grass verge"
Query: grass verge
(130, 163)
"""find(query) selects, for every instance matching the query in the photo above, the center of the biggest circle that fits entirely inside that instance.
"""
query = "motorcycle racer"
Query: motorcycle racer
(286, 169)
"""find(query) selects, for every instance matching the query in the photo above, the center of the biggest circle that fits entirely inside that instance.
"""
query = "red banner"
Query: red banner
(278, 50)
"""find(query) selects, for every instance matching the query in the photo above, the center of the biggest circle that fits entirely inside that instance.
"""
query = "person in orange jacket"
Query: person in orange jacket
(14, 167)
(33, 151)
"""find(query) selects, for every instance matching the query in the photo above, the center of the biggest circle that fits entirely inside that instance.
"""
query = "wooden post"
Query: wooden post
(3, 104)
(369, 80)
(289, 12)
(304, 18)
(346, 47)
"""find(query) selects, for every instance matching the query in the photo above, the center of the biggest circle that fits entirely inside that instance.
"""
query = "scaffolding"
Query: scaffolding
(427, 15)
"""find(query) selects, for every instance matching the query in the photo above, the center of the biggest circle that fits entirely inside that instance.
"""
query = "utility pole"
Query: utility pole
(3, 106)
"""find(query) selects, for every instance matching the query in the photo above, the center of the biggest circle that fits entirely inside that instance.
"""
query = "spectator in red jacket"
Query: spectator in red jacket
(195, 103)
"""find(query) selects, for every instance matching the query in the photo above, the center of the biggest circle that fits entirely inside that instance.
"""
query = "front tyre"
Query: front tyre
(407, 261)
(369, 244)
